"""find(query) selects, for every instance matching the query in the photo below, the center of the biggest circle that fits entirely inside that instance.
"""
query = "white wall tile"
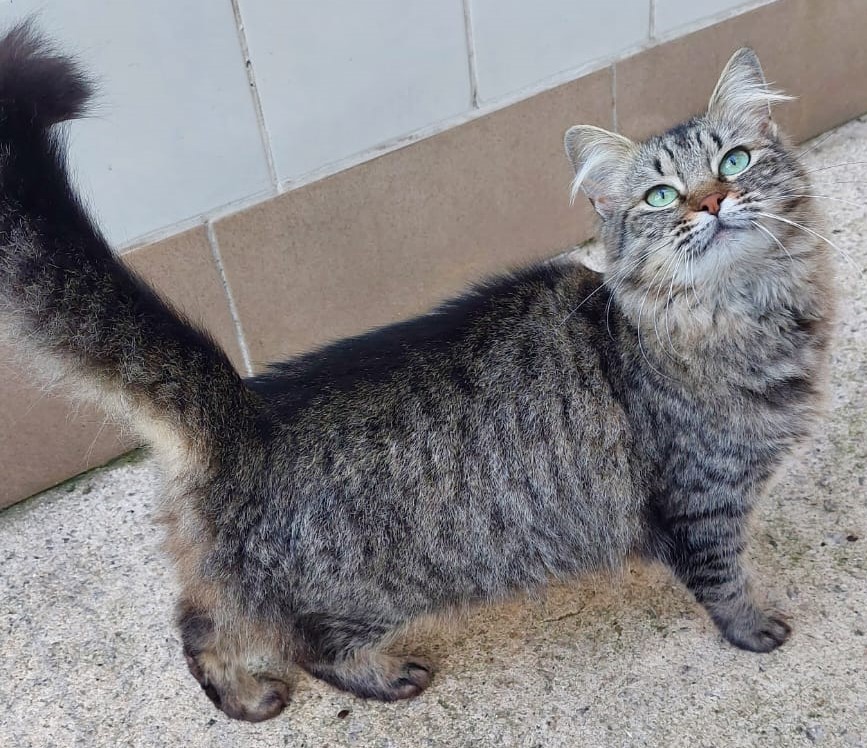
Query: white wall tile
(175, 131)
(337, 77)
(518, 43)
(672, 14)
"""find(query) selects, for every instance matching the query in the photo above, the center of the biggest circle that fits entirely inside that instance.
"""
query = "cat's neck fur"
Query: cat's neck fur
(734, 328)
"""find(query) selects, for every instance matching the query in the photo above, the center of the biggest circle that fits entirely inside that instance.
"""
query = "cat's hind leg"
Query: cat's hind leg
(347, 654)
(246, 672)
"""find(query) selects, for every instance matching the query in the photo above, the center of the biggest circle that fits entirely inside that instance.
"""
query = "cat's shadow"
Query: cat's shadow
(599, 612)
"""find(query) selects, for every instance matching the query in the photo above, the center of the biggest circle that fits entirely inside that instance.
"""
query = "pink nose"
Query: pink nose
(712, 202)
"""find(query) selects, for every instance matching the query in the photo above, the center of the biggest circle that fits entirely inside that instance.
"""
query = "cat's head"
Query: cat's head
(691, 207)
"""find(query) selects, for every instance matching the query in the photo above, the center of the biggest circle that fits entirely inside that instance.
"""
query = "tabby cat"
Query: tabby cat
(546, 423)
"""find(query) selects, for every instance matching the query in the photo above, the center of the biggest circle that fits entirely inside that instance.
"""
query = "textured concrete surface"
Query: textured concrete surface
(89, 657)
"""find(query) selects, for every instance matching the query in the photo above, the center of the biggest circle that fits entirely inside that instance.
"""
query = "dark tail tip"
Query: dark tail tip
(38, 85)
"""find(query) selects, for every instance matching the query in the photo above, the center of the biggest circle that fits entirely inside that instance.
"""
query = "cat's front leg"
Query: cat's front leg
(705, 549)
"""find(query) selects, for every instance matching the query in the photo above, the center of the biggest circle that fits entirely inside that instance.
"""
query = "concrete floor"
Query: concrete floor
(90, 658)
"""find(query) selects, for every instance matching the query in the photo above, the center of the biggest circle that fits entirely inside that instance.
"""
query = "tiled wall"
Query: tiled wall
(210, 105)
(320, 167)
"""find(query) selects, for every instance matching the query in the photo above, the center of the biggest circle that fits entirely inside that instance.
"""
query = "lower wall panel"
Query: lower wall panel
(394, 235)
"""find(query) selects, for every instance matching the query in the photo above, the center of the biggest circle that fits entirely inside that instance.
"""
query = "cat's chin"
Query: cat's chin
(734, 235)
(724, 237)
(728, 248)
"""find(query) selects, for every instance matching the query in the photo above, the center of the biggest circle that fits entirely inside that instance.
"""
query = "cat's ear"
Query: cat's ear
(600, 159)
(742, 93)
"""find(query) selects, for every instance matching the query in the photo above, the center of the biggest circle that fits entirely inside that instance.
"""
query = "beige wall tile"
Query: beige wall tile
(833, 56)
(812, 50)
(43, 438)
(666, 84)
(391, 237)
(183, 270)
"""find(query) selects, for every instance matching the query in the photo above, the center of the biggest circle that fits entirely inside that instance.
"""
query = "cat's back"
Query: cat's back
(497, 334)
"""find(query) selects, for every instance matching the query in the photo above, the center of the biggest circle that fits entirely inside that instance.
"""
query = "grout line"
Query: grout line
(471, 55)
(254, 93)
(220, 211)
(484, 108)
(651, 28)
(233, 307)
(614, 124)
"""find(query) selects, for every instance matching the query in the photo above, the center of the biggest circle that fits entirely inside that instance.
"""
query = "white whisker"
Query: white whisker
(690, 267)
(671, 265)
(580, 304)
(670, 299)
(618, 282)
(844, 181)
(666, 265)
(773, 236)
(827, 197)
(90, 449)
(819, 142)
(825, 239)
(638, 329)
(608, 307)
(606, 279)
(613, 291)
(836, 166)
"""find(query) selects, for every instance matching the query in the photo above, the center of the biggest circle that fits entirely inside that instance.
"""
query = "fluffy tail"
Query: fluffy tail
(63, 293)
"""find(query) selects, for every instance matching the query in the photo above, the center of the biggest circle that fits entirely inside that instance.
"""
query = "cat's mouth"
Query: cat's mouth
(713, 233)
(721, 230)
(721, 233)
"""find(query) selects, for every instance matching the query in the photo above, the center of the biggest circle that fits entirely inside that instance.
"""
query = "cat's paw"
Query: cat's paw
(412, 676)
(371, 674)
(763, 631)
(247, 697)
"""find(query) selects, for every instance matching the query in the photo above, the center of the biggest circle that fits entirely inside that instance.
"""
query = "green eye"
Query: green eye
(660, 196)
(734, 162)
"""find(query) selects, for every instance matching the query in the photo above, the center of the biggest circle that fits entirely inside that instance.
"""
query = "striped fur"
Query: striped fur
(547, 423)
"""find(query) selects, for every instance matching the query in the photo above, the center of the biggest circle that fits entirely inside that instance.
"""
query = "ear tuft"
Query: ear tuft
(742, 91)
(599, 158)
